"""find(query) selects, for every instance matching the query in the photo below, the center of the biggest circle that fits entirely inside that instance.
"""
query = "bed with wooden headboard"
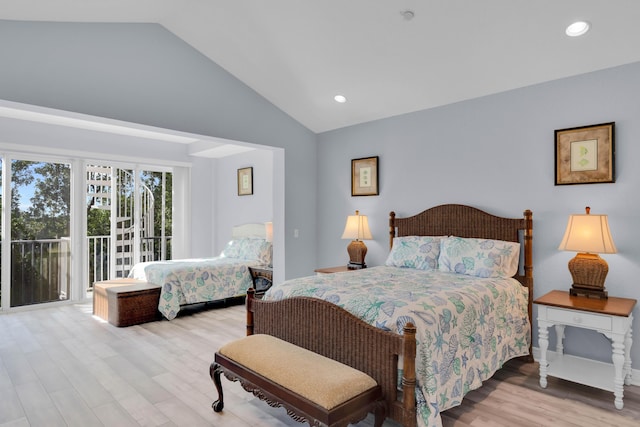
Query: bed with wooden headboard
(469, 317)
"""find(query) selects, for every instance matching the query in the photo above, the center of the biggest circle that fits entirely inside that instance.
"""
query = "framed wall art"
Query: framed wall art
(364, 176)
(245, 181)
(585, 155)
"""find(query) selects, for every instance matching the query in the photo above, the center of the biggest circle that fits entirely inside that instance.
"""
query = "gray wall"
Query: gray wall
(232, 209)
(497, 153)
(142, 73)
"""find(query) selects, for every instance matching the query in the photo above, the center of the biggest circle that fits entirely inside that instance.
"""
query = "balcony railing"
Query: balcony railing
(99, 266)
(40, 271)
(99, 259)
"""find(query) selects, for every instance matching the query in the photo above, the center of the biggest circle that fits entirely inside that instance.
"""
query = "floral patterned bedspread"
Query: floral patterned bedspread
(195, 280)
(467, 327)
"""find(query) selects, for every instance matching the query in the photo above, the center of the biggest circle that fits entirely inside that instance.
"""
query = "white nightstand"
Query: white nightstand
(611, 317)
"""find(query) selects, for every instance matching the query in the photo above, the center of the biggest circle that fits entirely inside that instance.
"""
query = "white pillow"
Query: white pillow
(249, 249)
(232, 250)
(420, 252)
(479, 257)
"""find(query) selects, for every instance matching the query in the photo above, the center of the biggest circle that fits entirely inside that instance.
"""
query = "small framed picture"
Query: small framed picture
(245, 181)
(585, 155)
(364, 176)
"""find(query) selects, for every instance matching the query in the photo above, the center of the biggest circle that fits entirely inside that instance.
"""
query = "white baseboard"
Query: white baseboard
(635, 373)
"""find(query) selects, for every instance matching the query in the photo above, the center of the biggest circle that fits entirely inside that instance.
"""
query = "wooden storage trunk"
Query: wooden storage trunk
(126, 302)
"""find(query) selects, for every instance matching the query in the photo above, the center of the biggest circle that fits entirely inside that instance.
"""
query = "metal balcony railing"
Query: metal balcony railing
(40, 271)
(100, 251)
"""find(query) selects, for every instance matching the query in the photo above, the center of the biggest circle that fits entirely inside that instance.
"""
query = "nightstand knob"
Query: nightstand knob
(577, 319)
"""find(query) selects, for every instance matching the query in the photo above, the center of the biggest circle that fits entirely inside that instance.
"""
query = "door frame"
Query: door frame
(5, 261)
(78, 219)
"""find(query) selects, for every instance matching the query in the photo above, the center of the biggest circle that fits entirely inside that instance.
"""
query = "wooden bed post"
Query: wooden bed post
(251, 295)
(528, 238)
(409, 368)
(528, 271)
(392, 228)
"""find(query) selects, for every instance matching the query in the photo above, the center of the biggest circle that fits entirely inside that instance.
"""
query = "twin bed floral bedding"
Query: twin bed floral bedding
(190, 281)
(470, 319)
(194, 281)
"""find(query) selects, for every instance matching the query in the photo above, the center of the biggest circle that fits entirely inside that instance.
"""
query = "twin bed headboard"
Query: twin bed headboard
(256, 230)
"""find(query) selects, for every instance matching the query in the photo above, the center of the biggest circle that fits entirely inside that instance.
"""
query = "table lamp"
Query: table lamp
(268, 229)
(357, 228)
(589, 235)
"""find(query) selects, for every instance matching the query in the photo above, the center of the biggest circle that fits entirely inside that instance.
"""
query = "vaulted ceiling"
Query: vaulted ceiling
(299, 54)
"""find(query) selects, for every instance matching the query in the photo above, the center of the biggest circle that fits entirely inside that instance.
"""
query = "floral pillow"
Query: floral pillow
(479, 257)
(419, 252)
(249, 249)
(232, 250)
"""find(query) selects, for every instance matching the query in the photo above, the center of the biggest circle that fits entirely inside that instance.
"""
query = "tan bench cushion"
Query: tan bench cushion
(322, 380)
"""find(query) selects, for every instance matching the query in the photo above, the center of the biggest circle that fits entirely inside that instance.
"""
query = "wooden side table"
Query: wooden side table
(611, 317)
(330, 270)
(262, 279)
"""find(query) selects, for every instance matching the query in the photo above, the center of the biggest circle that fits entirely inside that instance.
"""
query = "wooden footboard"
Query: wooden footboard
(331, 331)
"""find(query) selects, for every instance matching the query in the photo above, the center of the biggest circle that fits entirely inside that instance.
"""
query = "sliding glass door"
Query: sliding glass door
(40, 209)
(128, 219)
(110, 216)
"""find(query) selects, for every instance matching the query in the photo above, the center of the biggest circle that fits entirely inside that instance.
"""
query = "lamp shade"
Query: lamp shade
(357, 228)
(588, 233)
(268, 228)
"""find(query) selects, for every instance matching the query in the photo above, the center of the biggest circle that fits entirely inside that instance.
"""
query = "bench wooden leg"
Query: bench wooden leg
(380, 413)
(214, 372)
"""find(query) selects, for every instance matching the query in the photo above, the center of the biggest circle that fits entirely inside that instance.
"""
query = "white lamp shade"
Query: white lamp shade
(588, 233)
(268, 228)
(357, 228)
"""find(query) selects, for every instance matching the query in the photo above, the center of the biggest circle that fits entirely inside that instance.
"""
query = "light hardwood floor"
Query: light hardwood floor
(62, 367)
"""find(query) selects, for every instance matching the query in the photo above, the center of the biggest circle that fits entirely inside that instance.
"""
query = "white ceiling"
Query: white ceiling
(300, 53)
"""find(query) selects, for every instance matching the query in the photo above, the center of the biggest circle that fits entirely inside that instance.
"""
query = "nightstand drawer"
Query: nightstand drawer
(579, 318)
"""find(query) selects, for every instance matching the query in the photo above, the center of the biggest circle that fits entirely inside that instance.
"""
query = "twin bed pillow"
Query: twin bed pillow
(249, 249)
(472, 257)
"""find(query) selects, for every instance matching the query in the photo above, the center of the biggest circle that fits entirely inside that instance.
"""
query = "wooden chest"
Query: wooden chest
(126, 302)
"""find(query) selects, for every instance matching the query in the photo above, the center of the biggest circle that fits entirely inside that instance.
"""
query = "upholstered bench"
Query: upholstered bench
(126, 302)
(309, 386)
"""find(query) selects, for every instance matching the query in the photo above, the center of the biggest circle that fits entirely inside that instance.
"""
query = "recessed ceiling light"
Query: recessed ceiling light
(408, 15)
(577, 28)
(340, 98)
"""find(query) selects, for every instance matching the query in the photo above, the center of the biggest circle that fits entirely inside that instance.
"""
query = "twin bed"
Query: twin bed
(462, 276)
(191, 281)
